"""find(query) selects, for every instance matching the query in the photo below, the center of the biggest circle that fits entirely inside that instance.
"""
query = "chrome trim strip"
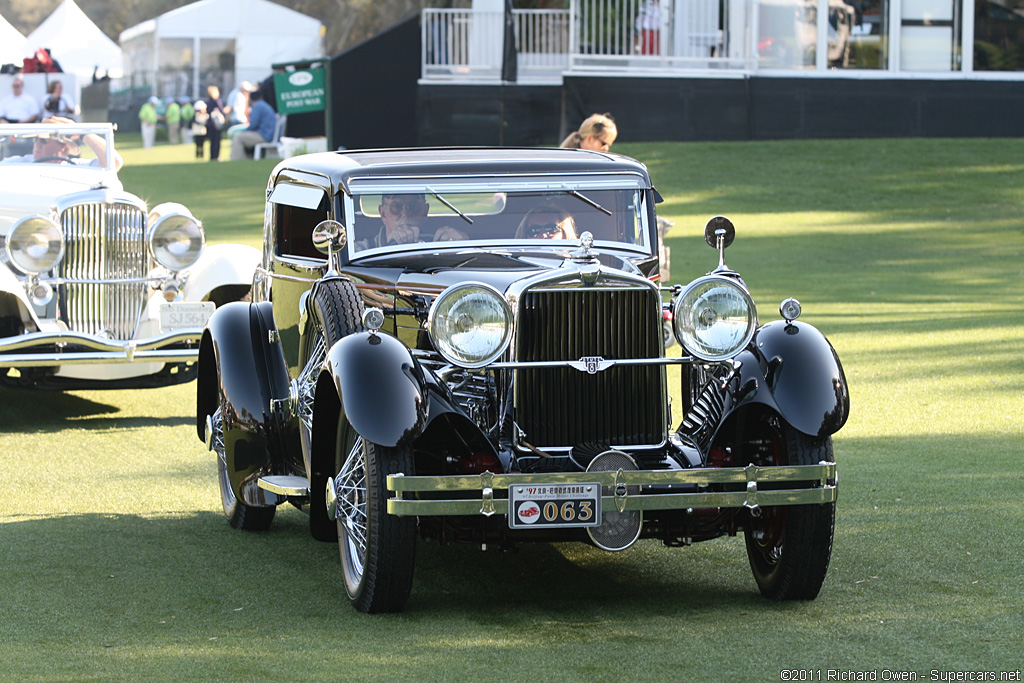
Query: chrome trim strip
(103, 350)
(663, 501)
(750, 476)
(581, 365)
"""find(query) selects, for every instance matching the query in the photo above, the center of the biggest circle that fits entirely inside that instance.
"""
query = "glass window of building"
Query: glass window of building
(930, 35)
(999, 35)
(787, 34)
(866, 44)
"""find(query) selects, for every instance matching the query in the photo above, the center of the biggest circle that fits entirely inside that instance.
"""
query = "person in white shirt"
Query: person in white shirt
(19, 107)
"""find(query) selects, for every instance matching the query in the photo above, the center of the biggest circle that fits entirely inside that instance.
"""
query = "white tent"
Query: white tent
(75, 42)
(12, 44)
(218, 42)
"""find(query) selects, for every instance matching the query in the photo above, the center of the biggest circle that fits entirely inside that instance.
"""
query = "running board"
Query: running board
(284, 485)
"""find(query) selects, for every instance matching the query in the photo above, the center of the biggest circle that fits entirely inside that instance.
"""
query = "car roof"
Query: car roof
(380, 165)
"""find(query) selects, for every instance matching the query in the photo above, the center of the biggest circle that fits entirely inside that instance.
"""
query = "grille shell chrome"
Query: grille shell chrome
(105, 241)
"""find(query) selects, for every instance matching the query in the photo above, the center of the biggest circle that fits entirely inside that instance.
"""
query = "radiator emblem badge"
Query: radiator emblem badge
(591, 364)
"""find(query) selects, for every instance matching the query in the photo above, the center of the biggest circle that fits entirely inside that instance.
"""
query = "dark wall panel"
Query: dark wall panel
(513, 115)
(761, 108)
(373, 94)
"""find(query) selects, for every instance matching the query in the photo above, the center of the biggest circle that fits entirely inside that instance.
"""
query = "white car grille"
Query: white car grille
(103, 243)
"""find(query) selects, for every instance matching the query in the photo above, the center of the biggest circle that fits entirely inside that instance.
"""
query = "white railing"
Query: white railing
(468, 45)
(661, 34)
(667, 35)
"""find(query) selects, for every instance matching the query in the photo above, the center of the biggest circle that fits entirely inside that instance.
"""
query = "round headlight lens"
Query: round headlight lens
(714, 318)
(35, 244)
(470, 324)
(176, 240)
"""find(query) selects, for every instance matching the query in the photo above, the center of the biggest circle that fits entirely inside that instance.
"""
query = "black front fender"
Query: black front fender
(381, 387)
(793, 369)
(242, 365)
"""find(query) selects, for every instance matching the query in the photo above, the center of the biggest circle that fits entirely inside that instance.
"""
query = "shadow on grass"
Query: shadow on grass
(27, 411)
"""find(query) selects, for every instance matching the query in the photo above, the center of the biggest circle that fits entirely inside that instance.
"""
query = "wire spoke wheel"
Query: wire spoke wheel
(789, 547)
(377, 549)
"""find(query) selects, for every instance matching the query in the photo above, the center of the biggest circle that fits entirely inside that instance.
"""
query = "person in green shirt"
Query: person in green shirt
(173, 118)
(148, 118)
(188, 113)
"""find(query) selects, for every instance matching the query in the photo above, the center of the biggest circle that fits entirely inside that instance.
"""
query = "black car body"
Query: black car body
(497, 373)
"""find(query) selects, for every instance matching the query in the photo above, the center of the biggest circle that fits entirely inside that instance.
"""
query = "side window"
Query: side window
(297, 210)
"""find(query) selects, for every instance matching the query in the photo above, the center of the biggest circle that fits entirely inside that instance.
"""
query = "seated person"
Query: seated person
(57, 149)
(547, 221)
(403, 216)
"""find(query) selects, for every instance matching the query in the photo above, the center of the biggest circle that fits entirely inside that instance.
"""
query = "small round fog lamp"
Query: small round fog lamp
(790, 309)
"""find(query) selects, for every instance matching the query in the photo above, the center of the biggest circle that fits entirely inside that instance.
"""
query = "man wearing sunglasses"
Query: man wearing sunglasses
(403, 216)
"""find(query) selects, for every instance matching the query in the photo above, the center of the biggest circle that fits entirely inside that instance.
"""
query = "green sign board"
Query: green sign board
(300, 91)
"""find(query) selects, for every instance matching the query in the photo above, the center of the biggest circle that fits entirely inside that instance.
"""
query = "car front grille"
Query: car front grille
(103, 241)
(563, 407)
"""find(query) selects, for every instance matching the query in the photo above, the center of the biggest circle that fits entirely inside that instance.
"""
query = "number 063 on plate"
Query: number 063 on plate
(554, 505)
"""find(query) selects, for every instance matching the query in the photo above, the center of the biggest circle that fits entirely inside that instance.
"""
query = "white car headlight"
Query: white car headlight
(35, 244)
(470, 324)
(175, 236)
(714, 318)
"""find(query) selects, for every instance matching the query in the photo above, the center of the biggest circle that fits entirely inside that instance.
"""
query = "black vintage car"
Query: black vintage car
(467, 345)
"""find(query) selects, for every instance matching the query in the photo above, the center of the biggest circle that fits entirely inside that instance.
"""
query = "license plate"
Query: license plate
(554, 505)
(174, 316)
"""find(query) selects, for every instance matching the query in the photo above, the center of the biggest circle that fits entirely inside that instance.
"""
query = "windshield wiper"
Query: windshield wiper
(588, 200)
(453, 207)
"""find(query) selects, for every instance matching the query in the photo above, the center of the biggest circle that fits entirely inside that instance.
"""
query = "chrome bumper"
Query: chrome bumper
(823, 475)
(100, 351)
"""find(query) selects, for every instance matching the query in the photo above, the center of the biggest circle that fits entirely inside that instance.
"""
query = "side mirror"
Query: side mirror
(329, 238)
(719, 234)
(719, 228)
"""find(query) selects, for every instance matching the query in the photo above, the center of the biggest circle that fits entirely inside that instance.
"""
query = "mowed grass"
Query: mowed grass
(116, 564)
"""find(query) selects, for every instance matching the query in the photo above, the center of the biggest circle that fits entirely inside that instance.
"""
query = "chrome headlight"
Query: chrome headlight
(35, 244)
(714, 318)
(175, 236)
(470, 324)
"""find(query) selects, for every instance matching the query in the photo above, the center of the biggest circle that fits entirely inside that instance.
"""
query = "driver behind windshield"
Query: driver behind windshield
(403, 216)
(51, 148)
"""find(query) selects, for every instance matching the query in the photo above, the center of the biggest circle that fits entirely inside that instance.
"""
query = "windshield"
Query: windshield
(527, 218)
(65, 145)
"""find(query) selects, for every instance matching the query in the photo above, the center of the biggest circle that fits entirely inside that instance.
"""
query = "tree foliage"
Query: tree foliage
(347, 22)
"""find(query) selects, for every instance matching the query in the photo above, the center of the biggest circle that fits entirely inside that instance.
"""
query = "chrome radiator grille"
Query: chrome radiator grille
(562, 407)
(103, 242)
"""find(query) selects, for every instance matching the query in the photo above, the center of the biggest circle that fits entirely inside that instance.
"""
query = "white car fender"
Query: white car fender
(221, 264)
(9, 283)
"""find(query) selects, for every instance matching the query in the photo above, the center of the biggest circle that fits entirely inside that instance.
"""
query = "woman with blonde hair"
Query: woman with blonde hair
(597, 132)
(547, 221)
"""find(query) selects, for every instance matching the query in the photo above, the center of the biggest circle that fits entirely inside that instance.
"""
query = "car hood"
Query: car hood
(30, 188)
(435, 270)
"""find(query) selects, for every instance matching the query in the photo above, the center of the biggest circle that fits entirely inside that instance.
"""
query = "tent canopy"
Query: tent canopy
(242, 36)
(12, 44)
(75, 42)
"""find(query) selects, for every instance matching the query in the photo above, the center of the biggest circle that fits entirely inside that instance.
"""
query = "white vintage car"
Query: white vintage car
(96, 289)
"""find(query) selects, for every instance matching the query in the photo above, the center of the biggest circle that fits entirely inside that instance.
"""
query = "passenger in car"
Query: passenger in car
(403, 217)
(547, 221)
(55, 149)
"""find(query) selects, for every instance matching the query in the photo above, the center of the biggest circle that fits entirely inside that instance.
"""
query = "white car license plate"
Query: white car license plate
(175, 316)
(554, 505)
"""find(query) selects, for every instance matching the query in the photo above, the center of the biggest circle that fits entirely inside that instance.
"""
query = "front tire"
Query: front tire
(378, 550)
(336, 311)
(239, 515)
(789, 547)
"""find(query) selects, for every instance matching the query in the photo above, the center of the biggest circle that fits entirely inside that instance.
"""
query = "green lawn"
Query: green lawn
(116, 564)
